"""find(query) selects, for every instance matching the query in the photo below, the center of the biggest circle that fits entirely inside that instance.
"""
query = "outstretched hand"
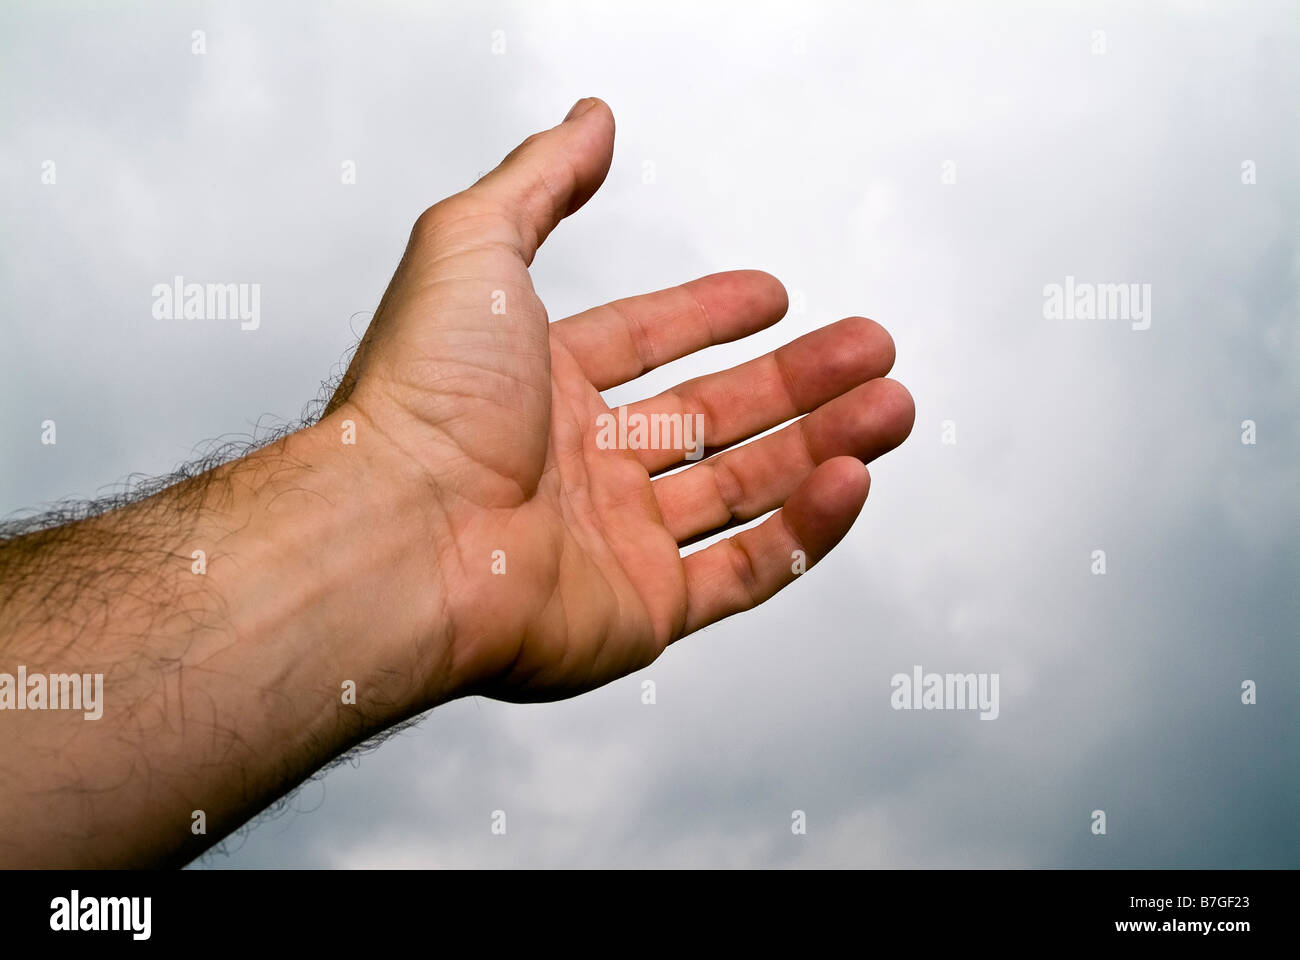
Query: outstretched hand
(556, 552)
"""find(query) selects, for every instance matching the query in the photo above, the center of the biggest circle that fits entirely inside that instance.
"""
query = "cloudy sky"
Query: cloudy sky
(932, 166)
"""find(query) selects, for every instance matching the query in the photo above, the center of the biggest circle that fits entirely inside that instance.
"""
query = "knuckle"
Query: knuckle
(435, 220)
(742, 563)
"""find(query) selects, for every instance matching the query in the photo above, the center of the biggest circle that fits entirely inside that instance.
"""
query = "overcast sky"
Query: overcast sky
(934, 167)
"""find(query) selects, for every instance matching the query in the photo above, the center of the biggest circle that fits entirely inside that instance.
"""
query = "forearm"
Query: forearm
(226, 673)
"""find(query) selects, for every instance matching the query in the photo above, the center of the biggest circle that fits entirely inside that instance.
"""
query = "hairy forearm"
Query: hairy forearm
(231, 618)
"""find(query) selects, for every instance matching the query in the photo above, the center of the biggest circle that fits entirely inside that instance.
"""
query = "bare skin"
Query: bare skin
(378, 563)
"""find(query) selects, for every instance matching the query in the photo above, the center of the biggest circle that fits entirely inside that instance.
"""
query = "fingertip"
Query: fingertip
(822, 510)
(899, 407)
(578, 109)
(590, 108)
(548, 176)
(845, 484)
(874, 343)
(740, 302)
(771, 291)
(589, 129)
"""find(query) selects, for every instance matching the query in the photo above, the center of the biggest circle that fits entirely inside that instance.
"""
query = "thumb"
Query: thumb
(547, 177)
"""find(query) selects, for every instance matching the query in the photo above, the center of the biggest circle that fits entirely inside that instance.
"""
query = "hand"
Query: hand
(557, 562)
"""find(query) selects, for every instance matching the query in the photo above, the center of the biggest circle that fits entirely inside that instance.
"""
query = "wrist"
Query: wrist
(330, 574)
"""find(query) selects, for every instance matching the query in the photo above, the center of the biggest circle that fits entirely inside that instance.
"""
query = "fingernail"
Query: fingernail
(579, 108)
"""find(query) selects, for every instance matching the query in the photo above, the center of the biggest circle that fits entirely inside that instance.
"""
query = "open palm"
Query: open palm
(558, 562)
